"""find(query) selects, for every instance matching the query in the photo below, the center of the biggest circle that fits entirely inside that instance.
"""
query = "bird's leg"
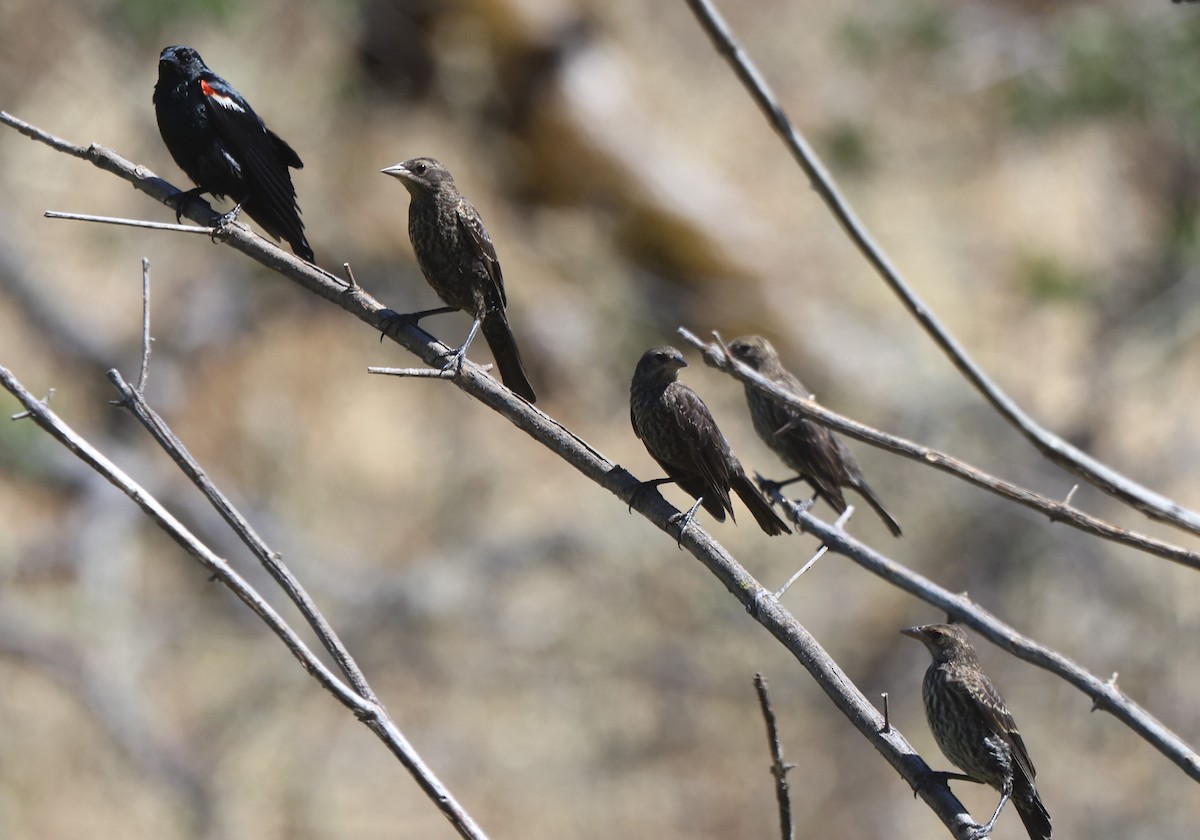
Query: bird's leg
(181, 199)
(644, 488)
(392, 320)
(770, 487)
(231, 217)
(456, 358)
(985, 830)
(685, 520)
(942, 777)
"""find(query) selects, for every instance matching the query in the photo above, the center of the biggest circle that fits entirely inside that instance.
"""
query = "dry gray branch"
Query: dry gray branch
(716, 357)
(1153, 504)
(369, 711)
(1104, 693)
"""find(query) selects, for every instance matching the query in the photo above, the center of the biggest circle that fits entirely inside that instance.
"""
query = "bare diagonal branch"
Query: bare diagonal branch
(1104, 693)
(1149, 502)
(716, 357)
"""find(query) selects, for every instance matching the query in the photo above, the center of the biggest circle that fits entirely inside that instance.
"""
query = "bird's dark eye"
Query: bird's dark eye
(420, 169)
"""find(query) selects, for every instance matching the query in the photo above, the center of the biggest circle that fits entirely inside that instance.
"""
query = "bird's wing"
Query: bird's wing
(823, 459)
(707, 446)
(264, 158)
(994, 711)
(476, 238)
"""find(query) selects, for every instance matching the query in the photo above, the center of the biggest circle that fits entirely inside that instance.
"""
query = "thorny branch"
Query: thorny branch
(1152, 504)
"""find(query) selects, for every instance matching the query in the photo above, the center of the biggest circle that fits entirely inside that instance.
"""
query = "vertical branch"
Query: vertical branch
(778, 768)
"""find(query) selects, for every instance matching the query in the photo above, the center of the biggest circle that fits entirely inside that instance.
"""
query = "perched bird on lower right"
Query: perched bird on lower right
(974, 728)
(812, 450)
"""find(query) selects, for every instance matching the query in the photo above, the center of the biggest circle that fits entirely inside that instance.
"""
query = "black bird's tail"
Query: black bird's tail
(763, 513)
(1033, 813)
(281, 221)
(877, 506)
(504, 348)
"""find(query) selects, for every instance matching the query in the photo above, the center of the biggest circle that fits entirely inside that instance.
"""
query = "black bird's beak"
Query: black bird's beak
(914, 633)
(397, 171)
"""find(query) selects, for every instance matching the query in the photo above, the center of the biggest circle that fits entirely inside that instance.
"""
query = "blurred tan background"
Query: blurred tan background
(1032, 167)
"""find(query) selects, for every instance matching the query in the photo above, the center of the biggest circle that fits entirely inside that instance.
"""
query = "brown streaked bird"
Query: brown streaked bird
(812, 450)
(974, 728)
(457, 257)
(680, 434)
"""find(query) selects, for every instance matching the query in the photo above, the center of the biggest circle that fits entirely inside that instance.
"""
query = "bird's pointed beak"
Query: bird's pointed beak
(396, 171)
(917, 633)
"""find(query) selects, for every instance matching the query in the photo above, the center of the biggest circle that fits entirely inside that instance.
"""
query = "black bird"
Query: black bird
(457, 257)
(814, 451)
(974, 728)
(217, 139)
(679, 432)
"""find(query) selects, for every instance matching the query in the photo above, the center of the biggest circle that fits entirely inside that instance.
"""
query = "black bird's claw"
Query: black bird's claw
(230, 217)
(393, 320)
(181, 199)
(640, 492)
(942, 777)
(455, 359)
(684, 521)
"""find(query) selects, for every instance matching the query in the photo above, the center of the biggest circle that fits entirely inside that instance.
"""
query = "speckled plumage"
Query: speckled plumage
(973, 727)
(812, 450)
(680, 434)
(459, 261)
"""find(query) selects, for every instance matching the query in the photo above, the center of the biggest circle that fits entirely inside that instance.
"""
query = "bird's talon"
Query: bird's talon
(230, 217)
(684, 521)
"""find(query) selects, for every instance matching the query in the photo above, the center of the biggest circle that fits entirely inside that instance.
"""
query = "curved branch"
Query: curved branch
(716, 357)
(1152, 504)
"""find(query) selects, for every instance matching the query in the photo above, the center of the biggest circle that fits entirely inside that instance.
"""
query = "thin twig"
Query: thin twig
(840, 523)
(372, 713)
(138, 223)
(420, 373)
(144, 373)
(1056, 511)
(25, 415)
(1149, 502)
(778, 768)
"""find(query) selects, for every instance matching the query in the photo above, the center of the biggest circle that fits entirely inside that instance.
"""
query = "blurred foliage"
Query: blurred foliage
(146, 17)
(847, 145)
(1047, 279)
(1115, 65)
